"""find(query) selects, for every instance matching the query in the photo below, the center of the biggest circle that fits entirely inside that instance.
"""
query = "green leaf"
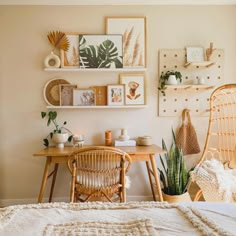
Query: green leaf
(43, 114)
(45, 142)
(70, 138)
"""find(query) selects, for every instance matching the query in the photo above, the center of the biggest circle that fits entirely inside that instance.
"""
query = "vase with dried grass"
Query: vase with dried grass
(59, 41)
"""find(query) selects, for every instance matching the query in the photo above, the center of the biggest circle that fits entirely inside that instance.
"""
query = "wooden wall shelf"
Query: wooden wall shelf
(97, 107)
(94, 70)
(189, 86)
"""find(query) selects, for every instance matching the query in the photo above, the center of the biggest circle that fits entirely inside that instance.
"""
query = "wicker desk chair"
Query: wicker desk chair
(98, 174)
(220, 145)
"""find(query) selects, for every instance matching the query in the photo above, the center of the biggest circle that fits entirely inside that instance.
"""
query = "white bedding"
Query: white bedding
(132, 218)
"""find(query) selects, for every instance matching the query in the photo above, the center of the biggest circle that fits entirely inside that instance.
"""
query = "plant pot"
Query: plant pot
(172, 80)
(60, 139)
(185, 197)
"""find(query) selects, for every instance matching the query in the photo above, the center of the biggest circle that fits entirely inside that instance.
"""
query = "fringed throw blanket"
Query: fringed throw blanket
(133, 218)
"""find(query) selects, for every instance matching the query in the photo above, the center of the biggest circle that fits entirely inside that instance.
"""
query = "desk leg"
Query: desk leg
(150, 179)
(157, 182)
(53, 181)
(44, 180)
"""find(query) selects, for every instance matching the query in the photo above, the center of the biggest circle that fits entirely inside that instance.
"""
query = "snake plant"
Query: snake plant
(174, 175)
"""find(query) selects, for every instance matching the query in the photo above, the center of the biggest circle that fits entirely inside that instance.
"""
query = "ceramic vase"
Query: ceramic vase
(52, 61)
(60, 139)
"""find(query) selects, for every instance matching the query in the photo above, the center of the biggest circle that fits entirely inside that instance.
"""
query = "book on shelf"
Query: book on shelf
(119, 143)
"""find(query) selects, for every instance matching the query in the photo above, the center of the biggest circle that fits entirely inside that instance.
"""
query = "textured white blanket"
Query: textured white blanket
(145, 218)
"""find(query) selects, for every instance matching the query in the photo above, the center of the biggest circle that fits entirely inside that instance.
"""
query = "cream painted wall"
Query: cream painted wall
(24, 46)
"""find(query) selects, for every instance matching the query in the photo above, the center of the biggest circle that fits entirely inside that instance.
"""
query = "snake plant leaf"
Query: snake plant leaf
(58, 40)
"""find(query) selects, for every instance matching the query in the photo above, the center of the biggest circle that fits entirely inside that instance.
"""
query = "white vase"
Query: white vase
(124, 135)
(172, 80)
(52, 61)
(60, 139)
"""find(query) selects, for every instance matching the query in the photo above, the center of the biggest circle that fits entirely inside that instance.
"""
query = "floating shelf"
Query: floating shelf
(97, 107)
(190, 86)
(200, 64)
(94, 70)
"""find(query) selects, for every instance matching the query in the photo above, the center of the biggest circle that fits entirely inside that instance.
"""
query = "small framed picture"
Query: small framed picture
(115, 94)
(84, 97)
(101, 95)
(195, 54)
(66, 94)
(134, 88)
(70, 58)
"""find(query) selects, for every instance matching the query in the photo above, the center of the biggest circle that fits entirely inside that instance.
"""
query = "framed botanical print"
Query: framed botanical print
(100, 51)
(133, 30)
(101, 95)
(115, 94)
(70, 58)
(66, 94)
(84, 97)
(134, 88)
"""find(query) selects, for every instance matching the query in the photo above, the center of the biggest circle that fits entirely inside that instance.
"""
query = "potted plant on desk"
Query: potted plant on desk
(60, 134)
(174, 176)
(169, 77)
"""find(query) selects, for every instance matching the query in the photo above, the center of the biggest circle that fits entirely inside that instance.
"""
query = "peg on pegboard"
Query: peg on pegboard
(209, 52)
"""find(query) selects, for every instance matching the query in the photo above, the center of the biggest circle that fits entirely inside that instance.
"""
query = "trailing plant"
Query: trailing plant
(99, 56)
(165, 76)
(52, 115)
(174, 176)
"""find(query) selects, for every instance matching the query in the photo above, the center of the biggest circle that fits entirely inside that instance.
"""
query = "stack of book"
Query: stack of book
(127, 143)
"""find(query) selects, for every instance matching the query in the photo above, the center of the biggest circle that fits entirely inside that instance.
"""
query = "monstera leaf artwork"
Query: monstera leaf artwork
(100, 51)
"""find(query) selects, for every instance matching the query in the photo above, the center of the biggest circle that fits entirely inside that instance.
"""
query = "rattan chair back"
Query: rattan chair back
(98, 174)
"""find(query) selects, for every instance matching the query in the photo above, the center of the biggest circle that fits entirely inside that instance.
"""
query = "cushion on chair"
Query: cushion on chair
(217, 184)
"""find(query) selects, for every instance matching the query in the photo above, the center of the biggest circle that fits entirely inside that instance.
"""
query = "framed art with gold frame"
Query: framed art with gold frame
(134, 88)
(115, 94)
(66, 94)
(133, 30)
(70, 58)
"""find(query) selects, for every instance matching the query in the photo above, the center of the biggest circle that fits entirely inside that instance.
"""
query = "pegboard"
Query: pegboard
(188, 94)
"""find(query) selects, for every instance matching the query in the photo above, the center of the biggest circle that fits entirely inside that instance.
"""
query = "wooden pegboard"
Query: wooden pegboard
(188, 95)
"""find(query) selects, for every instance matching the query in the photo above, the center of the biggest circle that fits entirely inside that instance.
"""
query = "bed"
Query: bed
(132, 218)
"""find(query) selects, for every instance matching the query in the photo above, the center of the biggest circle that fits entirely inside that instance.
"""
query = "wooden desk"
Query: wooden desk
(57, 156)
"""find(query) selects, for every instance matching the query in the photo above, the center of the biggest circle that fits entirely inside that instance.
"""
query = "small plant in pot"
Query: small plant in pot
(174, 176)
(60, 134)
(169, 77)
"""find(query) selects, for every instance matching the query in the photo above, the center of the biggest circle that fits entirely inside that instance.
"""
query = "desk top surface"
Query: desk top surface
(68, 150)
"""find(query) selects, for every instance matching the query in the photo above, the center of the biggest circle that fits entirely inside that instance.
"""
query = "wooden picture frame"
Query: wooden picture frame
(115, 94)
(70, 58)
(100, 51)
(66, 94)
(84, 97)
(134, 88)
(133, 30)
(101, 95)
(195, 54)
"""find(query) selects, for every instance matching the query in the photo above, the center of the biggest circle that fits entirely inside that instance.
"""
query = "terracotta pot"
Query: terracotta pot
(176, 198)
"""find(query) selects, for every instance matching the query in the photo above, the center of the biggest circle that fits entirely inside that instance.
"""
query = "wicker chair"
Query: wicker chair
(220, 145)
(98, 174)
